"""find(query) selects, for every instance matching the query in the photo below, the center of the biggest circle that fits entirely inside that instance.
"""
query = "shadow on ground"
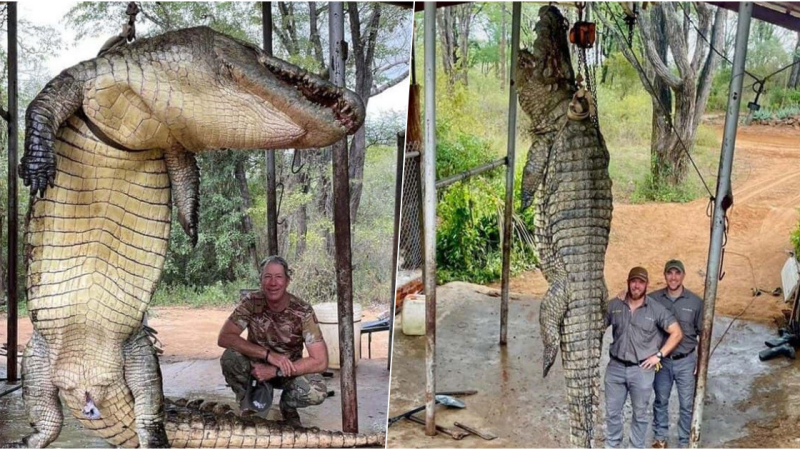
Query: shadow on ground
(525, 410)
(195, 379)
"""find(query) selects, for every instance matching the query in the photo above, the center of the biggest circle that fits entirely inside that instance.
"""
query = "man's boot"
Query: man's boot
(290, 416)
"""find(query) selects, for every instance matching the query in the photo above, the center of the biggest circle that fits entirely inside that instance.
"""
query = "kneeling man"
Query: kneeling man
(278, 325)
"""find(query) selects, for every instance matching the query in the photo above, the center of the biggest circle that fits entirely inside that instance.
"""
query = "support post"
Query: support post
(516, 13)
(341, 230)
(269, 155)
(428, 170)
(13, 207)
(398, 196)
(724, 195)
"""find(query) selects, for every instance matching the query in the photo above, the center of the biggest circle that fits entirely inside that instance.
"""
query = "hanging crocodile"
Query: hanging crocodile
(567, 175)
(110, 145)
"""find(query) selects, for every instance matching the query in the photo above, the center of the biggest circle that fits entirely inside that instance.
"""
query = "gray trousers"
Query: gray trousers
(681, 373)
(298, 392)
(619, 382)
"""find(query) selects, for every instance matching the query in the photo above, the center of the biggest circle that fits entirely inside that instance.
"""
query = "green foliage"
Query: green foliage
(621, 74)
(468, 238)
(795, 237)
(785, 113)
(783, 98)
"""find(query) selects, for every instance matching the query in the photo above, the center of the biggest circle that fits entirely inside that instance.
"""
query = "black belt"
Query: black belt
(680, 356)
(625, 363)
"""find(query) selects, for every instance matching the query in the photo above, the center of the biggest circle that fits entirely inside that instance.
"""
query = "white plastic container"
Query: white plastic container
(413, 315)
(328, 318)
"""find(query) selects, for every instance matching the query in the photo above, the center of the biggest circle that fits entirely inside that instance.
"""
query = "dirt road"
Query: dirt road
(766, 189)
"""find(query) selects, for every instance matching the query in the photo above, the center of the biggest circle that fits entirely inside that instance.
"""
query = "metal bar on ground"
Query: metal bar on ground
(341, 231)
(428, 170)
(508, 237)
(470, 173)
(269, 155)
(724, 194)
(13, 207)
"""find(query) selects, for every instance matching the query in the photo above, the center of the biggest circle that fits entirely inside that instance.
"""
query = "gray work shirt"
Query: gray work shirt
(688, 309)
(637, 335)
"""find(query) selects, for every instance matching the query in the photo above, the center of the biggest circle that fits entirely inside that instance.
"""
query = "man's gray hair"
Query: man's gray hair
(276, 259)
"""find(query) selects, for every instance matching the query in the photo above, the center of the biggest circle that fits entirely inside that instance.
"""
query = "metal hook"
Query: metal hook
(295, 157)
(280, 201)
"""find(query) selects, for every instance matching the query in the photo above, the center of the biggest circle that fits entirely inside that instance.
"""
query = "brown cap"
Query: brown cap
(638, 272)
(674, 264)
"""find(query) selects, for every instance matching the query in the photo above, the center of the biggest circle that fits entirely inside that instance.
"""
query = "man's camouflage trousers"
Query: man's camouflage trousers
(298, 392)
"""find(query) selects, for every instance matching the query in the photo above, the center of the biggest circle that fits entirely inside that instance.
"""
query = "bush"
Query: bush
(795, 237)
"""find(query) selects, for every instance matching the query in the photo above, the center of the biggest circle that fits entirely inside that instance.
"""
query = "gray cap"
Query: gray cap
(674, 264)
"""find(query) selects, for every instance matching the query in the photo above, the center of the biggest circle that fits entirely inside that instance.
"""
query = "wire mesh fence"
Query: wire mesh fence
(411, 256)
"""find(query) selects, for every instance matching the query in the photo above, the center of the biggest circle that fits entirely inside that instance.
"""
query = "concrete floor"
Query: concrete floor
(524, 410)
(203, 379)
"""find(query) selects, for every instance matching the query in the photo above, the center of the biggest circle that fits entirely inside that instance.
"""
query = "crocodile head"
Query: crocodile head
(193, 89)
(544, 74)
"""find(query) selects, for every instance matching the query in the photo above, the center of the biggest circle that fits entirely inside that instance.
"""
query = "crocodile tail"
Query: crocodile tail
(581, 344)
(199, 424)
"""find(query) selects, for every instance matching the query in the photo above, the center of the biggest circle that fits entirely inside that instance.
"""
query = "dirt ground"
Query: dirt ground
(766, 194)
(191, 333)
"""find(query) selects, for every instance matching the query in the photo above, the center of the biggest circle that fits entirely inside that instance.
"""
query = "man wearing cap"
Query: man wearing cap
(679, 367)
(637, 322)
(278, 325)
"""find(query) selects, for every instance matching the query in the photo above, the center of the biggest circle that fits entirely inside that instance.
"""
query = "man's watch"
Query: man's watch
(278, 372)
(660, 355)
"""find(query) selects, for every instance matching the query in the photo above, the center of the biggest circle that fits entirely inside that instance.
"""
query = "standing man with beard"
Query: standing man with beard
(680, 366)
(637, 323)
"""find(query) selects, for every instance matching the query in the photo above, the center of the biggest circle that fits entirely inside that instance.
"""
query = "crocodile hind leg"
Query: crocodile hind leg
(40, 394)
(551, 317)
(143, 377)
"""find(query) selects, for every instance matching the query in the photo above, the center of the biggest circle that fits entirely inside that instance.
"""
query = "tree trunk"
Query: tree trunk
(464, 21)
(244, 208)
(447, 29)
(794, 77)
(502, 46)
(3, 291)
(689, 85)
(302, 214)
(659, 138)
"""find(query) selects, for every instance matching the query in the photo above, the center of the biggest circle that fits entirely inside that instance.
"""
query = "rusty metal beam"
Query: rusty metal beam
(516, 13)
(269, 155)
(428, 170)
(13, 207)
(341, 230)
(398, 196)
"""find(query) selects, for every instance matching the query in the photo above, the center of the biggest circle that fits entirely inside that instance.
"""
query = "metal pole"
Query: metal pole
(272, 203)
(471, 172)
(398, 196)
(341, 230)
(429, 215)
(12, 193)
(516, 13)
(724, 194)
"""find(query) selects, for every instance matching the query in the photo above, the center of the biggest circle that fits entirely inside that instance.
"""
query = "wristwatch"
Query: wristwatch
(660, 355)
(278, 372)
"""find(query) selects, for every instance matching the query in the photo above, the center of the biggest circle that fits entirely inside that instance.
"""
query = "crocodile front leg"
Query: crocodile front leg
(40, 395)
(143, 377)
(533, 173)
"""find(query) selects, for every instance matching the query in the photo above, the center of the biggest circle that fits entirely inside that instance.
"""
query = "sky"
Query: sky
(51, 12)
